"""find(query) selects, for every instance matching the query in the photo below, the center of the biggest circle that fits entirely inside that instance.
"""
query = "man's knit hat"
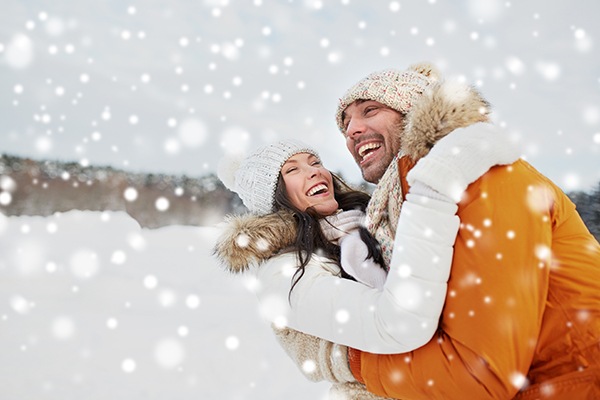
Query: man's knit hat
(394, 88)
(254, 178)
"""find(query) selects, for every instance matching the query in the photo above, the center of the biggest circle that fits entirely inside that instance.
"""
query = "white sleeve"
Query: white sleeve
(461, 157)
(400, 318)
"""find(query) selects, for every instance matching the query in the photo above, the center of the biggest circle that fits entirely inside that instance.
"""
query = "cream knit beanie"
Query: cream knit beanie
(254, 178)
(396, 89)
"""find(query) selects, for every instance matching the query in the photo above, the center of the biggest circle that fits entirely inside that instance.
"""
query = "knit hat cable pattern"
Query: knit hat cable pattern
(255, 179)
(396, 89)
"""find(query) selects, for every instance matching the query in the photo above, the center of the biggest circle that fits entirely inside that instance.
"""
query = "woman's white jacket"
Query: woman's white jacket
(401, 317)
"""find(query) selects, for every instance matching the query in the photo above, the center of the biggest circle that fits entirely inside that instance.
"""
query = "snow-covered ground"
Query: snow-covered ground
(94, 307)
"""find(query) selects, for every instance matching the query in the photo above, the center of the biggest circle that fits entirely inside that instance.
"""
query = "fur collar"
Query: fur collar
(443, 107)
(249, 239)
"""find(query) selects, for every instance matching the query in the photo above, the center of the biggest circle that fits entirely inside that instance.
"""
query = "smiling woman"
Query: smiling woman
(289, 178)
(309, 184)
(305, 232)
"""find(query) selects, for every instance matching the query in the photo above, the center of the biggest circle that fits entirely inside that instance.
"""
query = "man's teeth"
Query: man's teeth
(316, 189)
(369, 146)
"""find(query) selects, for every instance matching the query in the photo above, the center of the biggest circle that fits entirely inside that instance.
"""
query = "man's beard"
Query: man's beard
(377, 171)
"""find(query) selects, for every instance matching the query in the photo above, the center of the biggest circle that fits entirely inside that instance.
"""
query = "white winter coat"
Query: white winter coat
(400, 318)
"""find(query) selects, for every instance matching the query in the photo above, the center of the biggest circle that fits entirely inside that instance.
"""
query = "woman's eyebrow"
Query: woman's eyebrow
(289, 162)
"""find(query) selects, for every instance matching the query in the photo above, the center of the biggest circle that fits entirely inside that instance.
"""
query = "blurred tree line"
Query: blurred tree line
(588, 206)
(29, 187)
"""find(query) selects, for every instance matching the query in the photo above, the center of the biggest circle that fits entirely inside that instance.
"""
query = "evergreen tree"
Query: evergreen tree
(588, 206)
(594, 224)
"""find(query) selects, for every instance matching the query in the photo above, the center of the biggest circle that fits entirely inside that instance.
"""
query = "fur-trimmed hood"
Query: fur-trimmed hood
(445, 106)
(250, 239)
(442, 108)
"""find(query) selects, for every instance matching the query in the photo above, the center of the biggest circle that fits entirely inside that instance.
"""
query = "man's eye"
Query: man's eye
(369, 109)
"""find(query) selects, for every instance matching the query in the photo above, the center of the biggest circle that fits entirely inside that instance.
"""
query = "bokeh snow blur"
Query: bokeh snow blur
(175, 86)
(94, 307)
(114, 311)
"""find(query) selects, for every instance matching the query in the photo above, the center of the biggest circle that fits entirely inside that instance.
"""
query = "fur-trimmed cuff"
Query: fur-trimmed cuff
(318, 359)
(352, 391)
(340, 365)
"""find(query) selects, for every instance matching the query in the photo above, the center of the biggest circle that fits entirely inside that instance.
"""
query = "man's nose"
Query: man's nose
(356, 127)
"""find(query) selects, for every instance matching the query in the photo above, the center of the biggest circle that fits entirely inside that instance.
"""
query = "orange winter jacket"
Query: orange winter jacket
(522, 312)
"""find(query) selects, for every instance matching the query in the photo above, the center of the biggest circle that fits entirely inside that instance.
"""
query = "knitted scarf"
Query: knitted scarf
(383, 210)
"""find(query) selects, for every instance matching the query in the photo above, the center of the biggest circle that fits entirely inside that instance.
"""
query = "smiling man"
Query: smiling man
(371, 130)
(372, 116)
(522, 313)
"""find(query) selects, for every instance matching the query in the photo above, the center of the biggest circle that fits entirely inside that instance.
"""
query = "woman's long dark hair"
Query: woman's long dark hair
(310, 238)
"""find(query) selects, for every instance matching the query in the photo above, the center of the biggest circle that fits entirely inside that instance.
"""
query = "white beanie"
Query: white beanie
(254, 178)
(396, 89)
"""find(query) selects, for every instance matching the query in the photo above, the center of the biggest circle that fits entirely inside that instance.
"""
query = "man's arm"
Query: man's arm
(494, 306)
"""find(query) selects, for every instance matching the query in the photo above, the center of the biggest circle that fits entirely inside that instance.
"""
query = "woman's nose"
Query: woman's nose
(313, 171)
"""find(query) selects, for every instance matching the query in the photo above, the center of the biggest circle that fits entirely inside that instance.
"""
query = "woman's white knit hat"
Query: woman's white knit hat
(394, 88)
(254, 178)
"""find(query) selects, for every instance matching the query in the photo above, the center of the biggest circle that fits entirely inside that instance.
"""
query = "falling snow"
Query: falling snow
(139, 310)
(174, 89)
(225, 87)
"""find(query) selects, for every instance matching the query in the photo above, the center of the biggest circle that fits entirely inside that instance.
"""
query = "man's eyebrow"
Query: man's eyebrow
(358, 101)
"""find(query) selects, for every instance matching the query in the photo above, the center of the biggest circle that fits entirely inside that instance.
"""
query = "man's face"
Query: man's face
(372, 133)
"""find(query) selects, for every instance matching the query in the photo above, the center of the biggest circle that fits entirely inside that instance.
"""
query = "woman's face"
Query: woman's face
(309, 184)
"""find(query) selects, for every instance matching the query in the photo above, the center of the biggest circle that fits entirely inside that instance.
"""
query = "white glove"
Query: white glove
(461, 157)
(354, 261)
(318, 359)
(340, 224)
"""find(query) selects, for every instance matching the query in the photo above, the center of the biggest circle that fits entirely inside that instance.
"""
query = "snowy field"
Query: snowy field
(94, 307)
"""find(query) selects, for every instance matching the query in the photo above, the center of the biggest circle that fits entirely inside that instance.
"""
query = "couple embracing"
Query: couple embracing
(466, 274)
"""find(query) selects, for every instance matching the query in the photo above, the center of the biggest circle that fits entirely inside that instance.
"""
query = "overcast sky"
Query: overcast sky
(173, 86)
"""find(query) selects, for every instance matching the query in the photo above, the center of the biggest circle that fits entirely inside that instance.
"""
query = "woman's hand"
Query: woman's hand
(338, 225)
(355, 261)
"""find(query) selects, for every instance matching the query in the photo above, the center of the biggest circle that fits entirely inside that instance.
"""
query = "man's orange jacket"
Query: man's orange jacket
(522, 313)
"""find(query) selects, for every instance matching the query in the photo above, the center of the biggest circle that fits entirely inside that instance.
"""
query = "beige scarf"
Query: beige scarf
(383, 210)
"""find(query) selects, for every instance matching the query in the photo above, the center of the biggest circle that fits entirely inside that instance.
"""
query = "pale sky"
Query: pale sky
(174, 86)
